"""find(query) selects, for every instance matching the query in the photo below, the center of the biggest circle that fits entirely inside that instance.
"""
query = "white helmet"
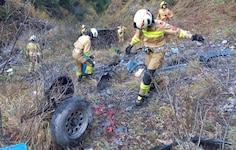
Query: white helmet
(32, 38)
(143, 18)
(94, 32)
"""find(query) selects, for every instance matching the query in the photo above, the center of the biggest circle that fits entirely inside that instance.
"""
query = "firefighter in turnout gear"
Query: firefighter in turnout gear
(164, 13)
(34, 54)
(81, 53)
(153, 36)
(121, 33)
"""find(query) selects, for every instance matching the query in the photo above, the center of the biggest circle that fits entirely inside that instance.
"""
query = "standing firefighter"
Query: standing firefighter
(164, 13)
(81, 53)
(154, 39)
(121, 33)
(33, 52)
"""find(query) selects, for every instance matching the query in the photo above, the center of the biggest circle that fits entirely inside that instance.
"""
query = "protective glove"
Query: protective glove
(92, 57)
(167, 17)
(197, 37)
(128, 49)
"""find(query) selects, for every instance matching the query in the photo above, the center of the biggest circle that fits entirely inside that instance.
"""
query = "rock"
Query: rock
(110, 91)
(231, 90)
(96, 134)
(224, 42)
(199, 44)
(88, 149)
(111, 106)
(232, 47)
(120, 131)
(10, 71)
(117, 142)
(226, 107)
(105, 124)
(129, 108)
(232, 101)
(175, 50)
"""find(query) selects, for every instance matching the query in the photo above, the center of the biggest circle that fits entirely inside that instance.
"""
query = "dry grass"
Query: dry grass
(184, 105)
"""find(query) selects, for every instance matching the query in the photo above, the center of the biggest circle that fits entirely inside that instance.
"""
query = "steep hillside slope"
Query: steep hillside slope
(207, 17)
(196, 100)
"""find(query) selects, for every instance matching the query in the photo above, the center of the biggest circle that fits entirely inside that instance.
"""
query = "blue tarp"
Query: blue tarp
(20, 146)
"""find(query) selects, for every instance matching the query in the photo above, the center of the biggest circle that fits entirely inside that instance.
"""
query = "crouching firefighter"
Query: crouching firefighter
(153, 35)
(34, 54)
(81, 53)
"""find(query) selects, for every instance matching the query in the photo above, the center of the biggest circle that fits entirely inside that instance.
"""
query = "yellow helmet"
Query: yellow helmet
(32, 38)
(163, 3)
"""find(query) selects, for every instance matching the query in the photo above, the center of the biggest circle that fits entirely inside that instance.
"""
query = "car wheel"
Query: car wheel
(70, 121)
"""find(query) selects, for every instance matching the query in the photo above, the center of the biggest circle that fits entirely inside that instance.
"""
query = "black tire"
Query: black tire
(70, 122)
(59, 87)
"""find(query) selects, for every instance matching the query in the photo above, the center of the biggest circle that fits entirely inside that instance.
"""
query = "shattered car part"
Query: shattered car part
(205, 57)
(105, 74)
(107, 37)
(132, 65)
(168, 68)
(103, 80)
(58, 86)
(72, 116)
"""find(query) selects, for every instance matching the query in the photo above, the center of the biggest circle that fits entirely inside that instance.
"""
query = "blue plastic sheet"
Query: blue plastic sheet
(20, 146)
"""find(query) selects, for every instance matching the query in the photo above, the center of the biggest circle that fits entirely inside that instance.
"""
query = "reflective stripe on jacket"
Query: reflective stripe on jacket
(32, 49)
(154, 36)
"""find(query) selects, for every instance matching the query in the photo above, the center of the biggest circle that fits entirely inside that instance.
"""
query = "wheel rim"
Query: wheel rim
(76, 124)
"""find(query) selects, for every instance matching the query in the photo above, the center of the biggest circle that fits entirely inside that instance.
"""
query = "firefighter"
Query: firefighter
(81, 53)
(33, 53)
(153, 33)
(164, 13)
(121, 33)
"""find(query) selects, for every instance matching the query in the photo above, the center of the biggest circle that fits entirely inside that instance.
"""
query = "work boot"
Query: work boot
(79, 78)
(139, 101)
(89, 76)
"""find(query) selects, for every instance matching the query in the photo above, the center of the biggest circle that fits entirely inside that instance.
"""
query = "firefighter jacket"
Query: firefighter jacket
(33, 49)
(121, 30)
(164, 14)
(83, 44)
(155, 35)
